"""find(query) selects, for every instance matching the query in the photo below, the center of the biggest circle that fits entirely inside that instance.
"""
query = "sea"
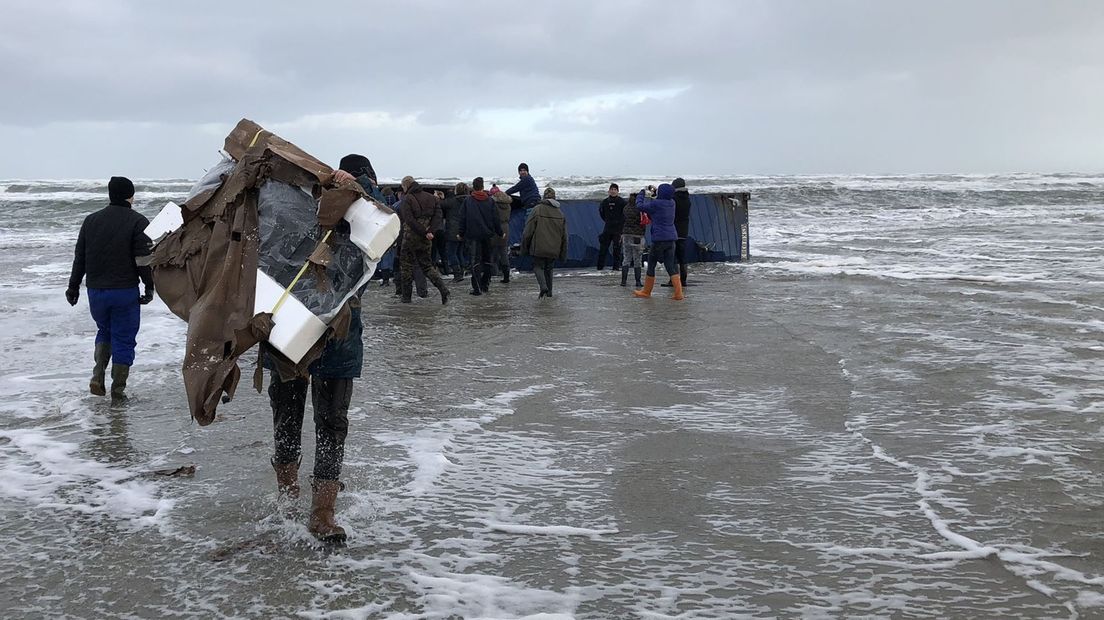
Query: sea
(894, 409)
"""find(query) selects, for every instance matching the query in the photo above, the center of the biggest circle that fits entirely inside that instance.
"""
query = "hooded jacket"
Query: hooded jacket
(109, 243)
(545, 233)
(419, 213)
(612, 212)
(682, 212)
(502, 207)
(632, 225)
(527, 191)
(662, 212)
(479, 218)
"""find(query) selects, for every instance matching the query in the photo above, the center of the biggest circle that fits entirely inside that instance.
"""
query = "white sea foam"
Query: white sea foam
(48, 269)
(82, 197)
(546, 530)
(48, 473)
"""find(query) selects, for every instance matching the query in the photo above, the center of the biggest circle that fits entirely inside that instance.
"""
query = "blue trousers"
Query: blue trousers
(454, 250)
(118, 315)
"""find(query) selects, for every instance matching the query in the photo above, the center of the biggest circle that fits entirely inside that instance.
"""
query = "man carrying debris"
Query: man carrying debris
(113, 252)
(331, 387)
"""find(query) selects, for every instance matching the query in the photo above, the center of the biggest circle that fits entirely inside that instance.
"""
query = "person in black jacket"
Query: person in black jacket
(612, 212)
(438, 254)
(479, 225)
(113, 252)
(682, 225)
(450, 209)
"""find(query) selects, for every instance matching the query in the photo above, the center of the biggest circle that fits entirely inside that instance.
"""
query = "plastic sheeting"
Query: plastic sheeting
(289, 232)
(213, 179)
(206, 270)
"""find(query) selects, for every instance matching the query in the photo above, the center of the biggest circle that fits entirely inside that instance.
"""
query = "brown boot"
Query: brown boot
(322, 524)
(287, 480)
(676, 284)
(649, 282)
(98, 385)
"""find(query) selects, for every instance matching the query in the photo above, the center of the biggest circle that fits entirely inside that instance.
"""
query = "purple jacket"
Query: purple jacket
(662, 212)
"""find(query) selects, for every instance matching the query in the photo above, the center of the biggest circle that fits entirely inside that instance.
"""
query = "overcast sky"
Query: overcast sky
(602, 87)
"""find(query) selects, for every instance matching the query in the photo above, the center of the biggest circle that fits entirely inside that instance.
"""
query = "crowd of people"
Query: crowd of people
(465, 232)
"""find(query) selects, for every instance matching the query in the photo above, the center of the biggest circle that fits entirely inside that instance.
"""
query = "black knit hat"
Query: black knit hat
(679, 182)
(119, 189)
(357, 165)
(523, 166)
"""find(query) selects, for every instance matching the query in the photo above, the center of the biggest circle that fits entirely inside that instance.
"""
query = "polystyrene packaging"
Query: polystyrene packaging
(296, 327)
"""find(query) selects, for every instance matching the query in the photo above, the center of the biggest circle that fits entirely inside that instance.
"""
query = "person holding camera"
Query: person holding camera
(661, 211)
(113, 252)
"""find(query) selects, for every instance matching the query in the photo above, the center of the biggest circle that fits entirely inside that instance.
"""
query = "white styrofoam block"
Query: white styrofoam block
(371, 229)
(296, 328)
(169, 219)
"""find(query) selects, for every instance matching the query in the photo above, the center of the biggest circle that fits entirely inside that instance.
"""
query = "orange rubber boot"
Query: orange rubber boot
(649, 282)
(676, 285)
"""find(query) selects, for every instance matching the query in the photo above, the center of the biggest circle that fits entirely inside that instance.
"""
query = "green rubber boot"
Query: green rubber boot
(102, 356)
(119, 375)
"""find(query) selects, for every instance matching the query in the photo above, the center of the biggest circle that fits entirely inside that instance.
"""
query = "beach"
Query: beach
(894, 409)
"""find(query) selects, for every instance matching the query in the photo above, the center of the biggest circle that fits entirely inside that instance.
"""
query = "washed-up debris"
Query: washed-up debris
(266, 231)
(262, 544)
(184, 471)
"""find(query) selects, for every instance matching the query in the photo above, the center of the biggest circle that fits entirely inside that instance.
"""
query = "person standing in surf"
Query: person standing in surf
(682, 226)
(454, 248)
(330, 382)
(113, 252)
(479, 226)
(420, 216)
(661, 210)
(545, 239)
(632, 242)
(612, 212)
(501, 244)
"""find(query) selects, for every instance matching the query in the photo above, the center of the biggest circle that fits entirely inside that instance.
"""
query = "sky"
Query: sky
(440, 88)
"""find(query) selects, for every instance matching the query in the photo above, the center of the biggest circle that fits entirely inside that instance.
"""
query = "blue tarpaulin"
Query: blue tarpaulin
(718, 231)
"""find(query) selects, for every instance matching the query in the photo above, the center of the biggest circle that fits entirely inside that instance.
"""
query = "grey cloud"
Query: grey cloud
(793, 86)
